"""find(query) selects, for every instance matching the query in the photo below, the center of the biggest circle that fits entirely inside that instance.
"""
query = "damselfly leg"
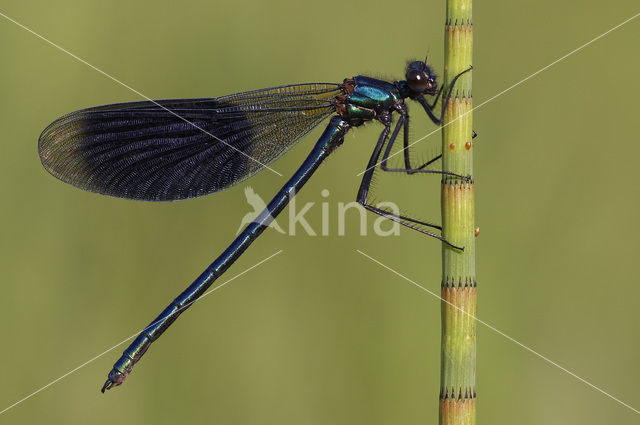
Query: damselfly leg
(363, 191)
(403, 123)
(436, 120)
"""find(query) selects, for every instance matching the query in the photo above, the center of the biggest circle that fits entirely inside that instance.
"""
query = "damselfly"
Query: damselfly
(168, 150)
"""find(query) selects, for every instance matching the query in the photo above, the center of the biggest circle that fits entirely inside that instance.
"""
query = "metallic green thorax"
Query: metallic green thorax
(365, 98)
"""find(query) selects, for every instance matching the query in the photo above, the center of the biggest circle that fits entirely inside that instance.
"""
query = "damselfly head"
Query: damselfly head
(421, 79)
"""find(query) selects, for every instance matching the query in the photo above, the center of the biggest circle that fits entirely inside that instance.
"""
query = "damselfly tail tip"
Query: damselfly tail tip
(114, 379)
(107, 385)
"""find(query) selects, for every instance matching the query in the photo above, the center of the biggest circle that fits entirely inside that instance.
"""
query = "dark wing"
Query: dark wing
(177, 149)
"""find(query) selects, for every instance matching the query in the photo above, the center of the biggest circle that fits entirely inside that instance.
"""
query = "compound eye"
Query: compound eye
(417, 80)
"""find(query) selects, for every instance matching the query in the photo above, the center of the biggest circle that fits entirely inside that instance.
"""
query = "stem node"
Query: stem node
(459, 289)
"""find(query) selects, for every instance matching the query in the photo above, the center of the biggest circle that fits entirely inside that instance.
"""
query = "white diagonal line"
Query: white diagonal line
(509, 88)
(131, 337)
(134, 90)
(531, 350)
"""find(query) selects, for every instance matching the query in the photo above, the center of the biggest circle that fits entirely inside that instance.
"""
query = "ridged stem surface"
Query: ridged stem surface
(459, 290)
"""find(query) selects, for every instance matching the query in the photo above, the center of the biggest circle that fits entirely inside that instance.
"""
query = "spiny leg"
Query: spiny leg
(435, 101)
(363, 191)
(429, 110)
(404, 120)
(431, 161)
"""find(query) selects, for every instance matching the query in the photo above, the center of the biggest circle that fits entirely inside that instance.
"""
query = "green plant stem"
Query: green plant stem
(459, 291)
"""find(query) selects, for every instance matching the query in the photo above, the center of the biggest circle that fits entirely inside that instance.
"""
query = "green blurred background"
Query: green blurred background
(320, 334)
